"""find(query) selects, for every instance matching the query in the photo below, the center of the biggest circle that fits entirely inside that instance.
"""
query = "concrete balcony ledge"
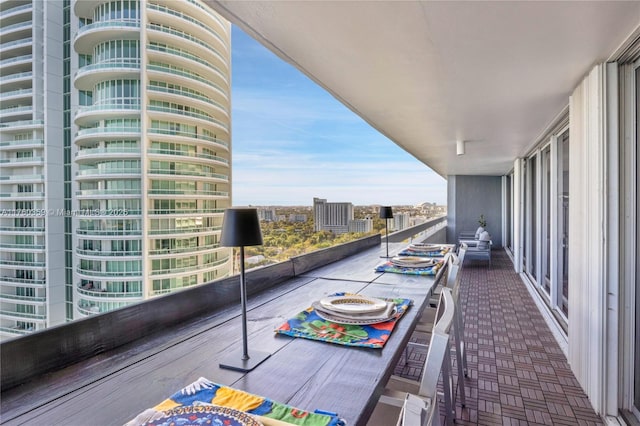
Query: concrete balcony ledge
(29, 357)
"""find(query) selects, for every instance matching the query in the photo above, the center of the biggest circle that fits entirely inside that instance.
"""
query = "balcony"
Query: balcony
(514, 360)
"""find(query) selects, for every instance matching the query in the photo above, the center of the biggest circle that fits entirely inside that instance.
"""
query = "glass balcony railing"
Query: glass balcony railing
(26, 281)
(103, 130)
(187, 154)
(22, 41)
(188, 75)
(9, 61)
(86, 192)
(9, 28)
(82, 231)
(189, 37)
(16, 76)
(109, 107)
(16, 109)
(22, 298)
(178, 250)
(116, 23)
(22, 123)
(186, 192)
(93, 273)
(101, 172)
(189, 95)
(23, 263)
(22, 194)
(188, 268)
(188, 173)
(22, 246)
(158, 131)
(94, 151)
(17, 9)
(23, 142)
(109, 294)
(22, 160)
(184, 211)
(21, 228)
(21, 178)
(18, 92)
(190, 230)
(184, 113)
(16, 330)
(187, 55)
(23, 314)
(132, 65)
(188, 18)
(108, 253)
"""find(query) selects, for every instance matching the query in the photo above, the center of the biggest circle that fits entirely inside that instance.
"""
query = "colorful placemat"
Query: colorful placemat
(309, 325)
(204, 391)
(428, 271)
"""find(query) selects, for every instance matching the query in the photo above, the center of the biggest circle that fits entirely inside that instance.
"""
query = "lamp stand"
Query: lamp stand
(240, 361)
(386, 239)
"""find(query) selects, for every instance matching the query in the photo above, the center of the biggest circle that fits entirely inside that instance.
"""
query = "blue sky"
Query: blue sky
(293, 141)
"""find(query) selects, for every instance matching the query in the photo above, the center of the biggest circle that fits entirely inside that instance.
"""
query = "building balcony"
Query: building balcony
(22, 282)
(90, 35)
(88, 154)
(88, 115)
(21, 144)
(208, 29)
(96, 134)
(511, 350)
(198, 158)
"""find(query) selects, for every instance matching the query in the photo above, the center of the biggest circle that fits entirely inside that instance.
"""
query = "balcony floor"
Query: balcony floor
(518, 375)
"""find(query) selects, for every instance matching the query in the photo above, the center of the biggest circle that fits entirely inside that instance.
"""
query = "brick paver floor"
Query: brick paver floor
(517, 373)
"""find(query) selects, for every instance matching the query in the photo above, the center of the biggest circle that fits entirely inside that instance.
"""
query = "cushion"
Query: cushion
(479, 231)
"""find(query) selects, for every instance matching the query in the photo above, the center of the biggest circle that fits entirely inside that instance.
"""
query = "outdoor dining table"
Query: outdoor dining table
(303, 373)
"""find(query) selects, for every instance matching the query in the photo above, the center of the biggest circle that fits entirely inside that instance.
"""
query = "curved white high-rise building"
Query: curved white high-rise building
(151, 149)
(114, 154)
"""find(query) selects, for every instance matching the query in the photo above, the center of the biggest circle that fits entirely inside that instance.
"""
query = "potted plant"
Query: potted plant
(482, 221)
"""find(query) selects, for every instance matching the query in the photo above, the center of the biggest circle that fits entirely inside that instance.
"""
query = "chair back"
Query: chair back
(462, 250)
(437, 358)
(445, 312)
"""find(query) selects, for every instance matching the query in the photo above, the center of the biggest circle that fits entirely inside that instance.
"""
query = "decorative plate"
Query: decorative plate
(353, 304)
(342, 320)
(197, 415)
(413, 261)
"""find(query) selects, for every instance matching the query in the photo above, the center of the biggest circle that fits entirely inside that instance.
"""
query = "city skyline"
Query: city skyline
(293, 141)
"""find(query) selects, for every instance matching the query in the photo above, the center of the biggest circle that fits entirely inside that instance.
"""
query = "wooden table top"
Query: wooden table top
(113, 388)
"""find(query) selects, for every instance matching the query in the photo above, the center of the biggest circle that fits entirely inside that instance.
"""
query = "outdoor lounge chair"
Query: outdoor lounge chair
(482, 250)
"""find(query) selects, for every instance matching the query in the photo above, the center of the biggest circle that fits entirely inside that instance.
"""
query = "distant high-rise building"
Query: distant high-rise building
(401, 221)
(115, 154)
(267, 214)
(297, 217)
(332, 217)
(361, 225)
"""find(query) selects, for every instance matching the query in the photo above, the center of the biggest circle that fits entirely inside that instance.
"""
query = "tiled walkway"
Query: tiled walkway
(517, 373)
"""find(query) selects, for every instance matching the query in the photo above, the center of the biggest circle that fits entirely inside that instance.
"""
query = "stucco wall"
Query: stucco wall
(467, 198)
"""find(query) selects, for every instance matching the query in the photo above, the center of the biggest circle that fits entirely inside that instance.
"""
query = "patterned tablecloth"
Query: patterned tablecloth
(204, 393)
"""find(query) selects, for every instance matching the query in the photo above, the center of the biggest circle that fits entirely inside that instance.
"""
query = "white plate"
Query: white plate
(414, 261)
(353, 304)
(341, 320)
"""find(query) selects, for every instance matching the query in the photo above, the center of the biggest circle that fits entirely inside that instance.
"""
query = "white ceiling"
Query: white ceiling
(428, 73)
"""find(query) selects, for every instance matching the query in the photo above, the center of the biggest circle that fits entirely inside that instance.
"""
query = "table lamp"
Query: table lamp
(240, 228)
(386, 213)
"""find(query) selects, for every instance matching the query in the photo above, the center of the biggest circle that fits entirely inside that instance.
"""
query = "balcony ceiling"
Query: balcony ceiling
(426, 74)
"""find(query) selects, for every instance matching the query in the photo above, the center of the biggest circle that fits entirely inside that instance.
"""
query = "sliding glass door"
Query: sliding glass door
(562, 272)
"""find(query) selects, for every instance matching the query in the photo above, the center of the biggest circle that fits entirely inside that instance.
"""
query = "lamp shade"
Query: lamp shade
(240, 227)
(386, 212)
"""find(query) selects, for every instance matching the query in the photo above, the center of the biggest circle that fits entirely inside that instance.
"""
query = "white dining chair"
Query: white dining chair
(438, 361)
